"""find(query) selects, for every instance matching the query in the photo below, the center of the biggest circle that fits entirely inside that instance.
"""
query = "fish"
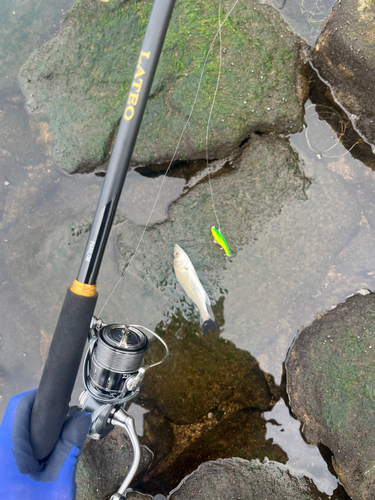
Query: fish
(219, 238)
(188, 279)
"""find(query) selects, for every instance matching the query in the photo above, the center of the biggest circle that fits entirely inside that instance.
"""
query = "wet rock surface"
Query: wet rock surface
(94, 56)
(236, 478)
(104, 464)
(344, 58)
(214, 407)
(330, 373)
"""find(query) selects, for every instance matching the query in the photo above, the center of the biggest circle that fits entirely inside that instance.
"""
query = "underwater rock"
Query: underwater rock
(330, 377)
(104, 464)
(251, 480)
(226, 434)
(203, 373)
(79, 80)
(248, 193)
(212, 395)
(344, 57)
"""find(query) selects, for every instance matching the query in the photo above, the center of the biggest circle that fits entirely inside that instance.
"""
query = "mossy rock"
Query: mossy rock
(331, 373)
(344, 56)
(79, 80)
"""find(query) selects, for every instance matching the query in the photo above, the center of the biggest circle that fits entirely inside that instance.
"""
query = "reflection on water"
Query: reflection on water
(303, 458)
(305, 17)
(305, 261)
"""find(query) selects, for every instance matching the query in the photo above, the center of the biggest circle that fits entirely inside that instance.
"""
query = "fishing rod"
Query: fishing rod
(113, 369)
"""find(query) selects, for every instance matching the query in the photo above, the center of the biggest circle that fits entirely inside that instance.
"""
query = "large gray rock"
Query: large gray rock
(80, 79)
(250, 480)
(330, 373)
(344, 57)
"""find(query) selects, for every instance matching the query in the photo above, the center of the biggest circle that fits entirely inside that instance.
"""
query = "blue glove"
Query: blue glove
(21, 475)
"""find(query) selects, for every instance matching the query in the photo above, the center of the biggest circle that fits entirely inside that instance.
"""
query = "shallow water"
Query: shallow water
(304, 17)
(309, 258)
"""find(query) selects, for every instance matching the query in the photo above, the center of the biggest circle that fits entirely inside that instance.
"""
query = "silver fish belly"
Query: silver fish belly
(188, 279)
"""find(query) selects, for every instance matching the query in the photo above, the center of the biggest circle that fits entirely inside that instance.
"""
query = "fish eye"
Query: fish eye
(175, 253)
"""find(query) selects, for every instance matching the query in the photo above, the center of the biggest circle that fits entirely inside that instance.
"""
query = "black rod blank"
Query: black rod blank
(125, 140)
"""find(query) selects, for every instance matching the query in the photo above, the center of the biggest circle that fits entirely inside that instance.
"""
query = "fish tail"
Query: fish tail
(209, 325)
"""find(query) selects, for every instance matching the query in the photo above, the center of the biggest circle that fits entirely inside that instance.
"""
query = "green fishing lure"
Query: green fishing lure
(219, 238)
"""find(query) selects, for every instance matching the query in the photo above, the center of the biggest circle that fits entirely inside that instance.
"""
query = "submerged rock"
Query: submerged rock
(208, 372)
(212, 395)
(247, 195)
(344, 57)
(80, 79)
(330, 373)
(251, 480)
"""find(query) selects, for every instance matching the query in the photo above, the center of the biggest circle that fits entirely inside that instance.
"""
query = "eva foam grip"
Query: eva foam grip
(60, 372)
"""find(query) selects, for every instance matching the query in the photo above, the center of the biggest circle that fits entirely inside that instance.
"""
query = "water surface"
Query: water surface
(308, 259)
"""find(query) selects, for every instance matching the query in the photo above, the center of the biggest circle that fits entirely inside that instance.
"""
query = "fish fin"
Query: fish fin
(189, 301)
(208, 304)
(209, 309)
(209, 324)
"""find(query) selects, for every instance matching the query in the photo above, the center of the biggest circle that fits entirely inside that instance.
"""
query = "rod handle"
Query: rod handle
(60, 372)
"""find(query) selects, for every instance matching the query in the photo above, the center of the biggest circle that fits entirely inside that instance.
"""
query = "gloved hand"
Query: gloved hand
(21, 475)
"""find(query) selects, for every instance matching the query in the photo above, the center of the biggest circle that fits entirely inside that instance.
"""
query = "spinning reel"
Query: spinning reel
(113, 373)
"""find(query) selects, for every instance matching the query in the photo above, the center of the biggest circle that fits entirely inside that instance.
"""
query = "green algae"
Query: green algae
(79, 80)
(346, 380)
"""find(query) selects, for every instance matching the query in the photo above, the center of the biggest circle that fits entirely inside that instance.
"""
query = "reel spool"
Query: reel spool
(116, 355)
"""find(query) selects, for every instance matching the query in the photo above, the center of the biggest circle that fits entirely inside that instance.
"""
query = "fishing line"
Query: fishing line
(208, 124)
(218, 33)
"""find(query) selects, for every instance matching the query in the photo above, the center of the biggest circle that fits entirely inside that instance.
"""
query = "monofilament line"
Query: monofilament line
(173, 156)
(208, 124)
